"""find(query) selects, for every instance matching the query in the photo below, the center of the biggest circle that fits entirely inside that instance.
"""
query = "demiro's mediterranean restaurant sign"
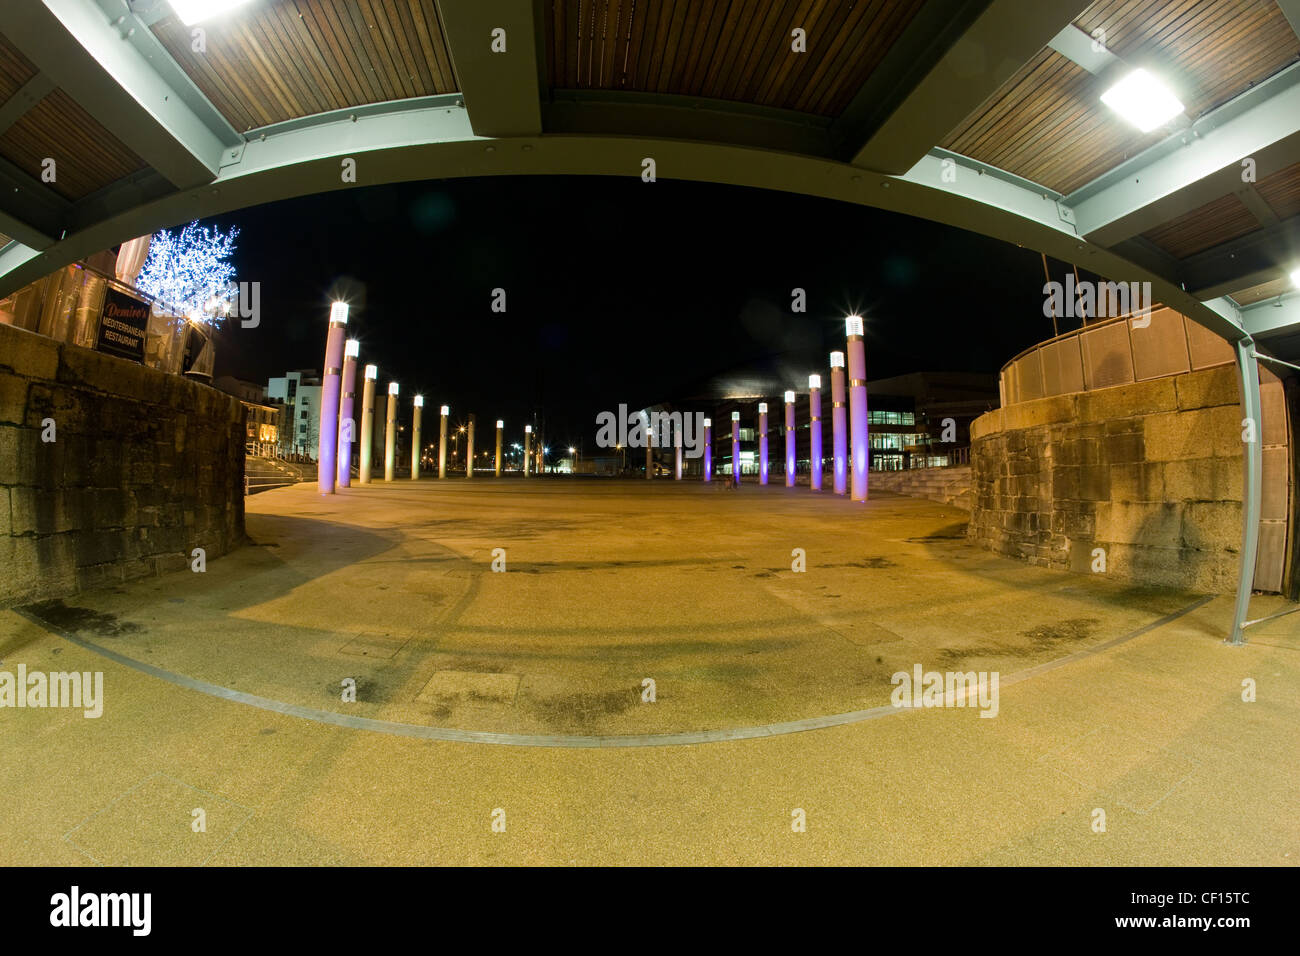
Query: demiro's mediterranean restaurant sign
(122, 326)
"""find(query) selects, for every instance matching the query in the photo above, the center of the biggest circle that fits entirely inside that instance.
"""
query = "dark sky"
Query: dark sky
(616, 290)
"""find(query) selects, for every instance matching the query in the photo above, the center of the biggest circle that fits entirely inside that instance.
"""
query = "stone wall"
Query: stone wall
(1150, 472)
(144, 468)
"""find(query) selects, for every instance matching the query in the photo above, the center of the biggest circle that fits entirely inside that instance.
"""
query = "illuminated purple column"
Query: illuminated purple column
(677, 445)
(500, 425)
(528, 447)
(735, 447)
(469, 448)
(762, 443)
(815, 431)
(390, 434)
(708, 449)
(791, 463)
(327, 450)
(417, 413)
(858, 405)
(346, 424)
(839, 439)
(367, 424)
(442, 442)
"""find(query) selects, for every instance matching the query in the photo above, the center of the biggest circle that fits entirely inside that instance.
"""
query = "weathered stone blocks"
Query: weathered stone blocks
(145, 467)
(1149, 472)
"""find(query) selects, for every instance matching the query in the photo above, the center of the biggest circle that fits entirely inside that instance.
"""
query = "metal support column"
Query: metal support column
(1253, 485)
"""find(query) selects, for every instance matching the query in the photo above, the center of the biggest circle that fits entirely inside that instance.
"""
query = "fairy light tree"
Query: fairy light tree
(189, 271)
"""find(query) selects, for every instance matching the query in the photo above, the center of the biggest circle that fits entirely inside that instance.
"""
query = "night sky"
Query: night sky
(617, 291)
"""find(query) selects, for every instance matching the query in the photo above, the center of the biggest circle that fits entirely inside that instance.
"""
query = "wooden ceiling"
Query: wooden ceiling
(278, 60)
(87, 157)
(724, 49)
(1222, 220)
(1282, 191)
(15, 69)
(1228, 218)
(285, 59)
(1047, 124)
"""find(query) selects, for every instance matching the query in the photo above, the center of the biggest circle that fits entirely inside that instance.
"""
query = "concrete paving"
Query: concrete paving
(224, 691)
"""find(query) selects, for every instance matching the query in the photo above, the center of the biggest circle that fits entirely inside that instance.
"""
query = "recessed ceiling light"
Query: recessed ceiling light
(193, 11)
(1142, 100)
(1295, 278)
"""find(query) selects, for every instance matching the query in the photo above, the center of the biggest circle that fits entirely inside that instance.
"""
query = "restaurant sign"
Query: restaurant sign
(122, 326)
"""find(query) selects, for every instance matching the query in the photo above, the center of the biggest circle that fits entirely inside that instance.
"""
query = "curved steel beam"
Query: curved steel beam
(432, 139)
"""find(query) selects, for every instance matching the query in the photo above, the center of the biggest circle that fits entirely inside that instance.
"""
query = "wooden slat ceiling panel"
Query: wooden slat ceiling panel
(1282, 191)
(1047, 123)
(1222, 220)
(284, 59)
(724, 49)
(15, 69)
(87, 157)
(1265, 290)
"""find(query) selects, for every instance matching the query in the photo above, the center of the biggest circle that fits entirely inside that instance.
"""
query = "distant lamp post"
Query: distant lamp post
(815, 432)
(528, 447)
(500, 425)
(442, 442)
(649, 446)
(858, 405)
(390, 434)
(351, 352)
(762, 443)
(417, 412)
(839, 433)
(327, 451)
(708, 449)
(367, 423)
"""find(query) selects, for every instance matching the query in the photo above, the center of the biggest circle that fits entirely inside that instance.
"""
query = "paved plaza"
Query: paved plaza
(648, 680)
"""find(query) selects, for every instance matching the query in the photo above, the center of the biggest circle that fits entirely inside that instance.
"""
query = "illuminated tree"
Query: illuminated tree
(189, 271)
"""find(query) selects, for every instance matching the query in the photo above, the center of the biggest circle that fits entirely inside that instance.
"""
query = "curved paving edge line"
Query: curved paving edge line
(563, 740)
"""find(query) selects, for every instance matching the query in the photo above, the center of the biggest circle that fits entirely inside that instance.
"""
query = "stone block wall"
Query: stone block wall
(1150, 472)
(144, 468)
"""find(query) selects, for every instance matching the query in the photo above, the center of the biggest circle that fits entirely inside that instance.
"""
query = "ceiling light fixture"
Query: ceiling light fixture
(1143, 100)
(195, 11)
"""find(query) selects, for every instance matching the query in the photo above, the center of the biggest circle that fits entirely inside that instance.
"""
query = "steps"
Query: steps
(951, 486)
(263, 474)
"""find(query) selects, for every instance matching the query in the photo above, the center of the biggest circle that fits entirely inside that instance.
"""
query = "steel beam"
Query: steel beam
(930, 35)
(1080, 49)
(502, 87)
(1252, 488)
(115, 70)
(1003, 38)
(15, 255)
(31, 211)
(24, 98)
(618, 113)
(1278, 316)
(432, 138)
(1197, 165)
(1270, 252)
